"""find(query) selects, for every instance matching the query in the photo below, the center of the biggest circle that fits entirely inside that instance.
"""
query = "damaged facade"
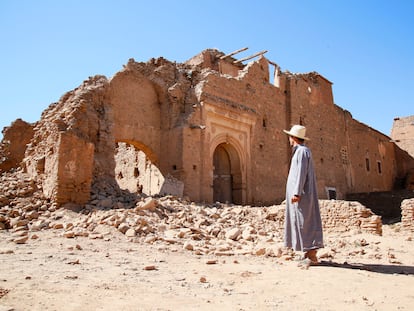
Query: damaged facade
(209, 129)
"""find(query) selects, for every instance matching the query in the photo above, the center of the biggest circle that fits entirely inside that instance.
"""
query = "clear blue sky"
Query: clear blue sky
(365, 47)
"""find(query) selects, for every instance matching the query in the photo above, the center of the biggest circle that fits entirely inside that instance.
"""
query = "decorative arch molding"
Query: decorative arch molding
(236, 152)
(225, 126)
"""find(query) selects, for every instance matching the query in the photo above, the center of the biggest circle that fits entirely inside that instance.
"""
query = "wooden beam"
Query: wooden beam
(233, 53)
(249, 57)
(272, 63)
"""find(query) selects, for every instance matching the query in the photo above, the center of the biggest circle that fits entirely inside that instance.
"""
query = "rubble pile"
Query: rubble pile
(407, 214)
(217, 229)
(21, 204)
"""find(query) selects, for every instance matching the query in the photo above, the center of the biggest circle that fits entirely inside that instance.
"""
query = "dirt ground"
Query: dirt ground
(51, 272)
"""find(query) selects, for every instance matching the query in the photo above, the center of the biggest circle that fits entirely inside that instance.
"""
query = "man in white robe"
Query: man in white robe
(303, 225)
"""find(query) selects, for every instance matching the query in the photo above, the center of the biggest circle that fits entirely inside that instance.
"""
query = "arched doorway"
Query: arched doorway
(227, 183)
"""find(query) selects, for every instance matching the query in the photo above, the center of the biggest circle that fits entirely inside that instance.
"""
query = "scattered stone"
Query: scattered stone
(21, 239)
(69, 234)
(130, 233)
(6, 251)
(188, 246)
(260, 252)
(71, 277)
(233, 234)
(150, 239)
(75, 262)
(212, 261)
(217, 230)
(3, 292)
(123, 228)
(148, 204)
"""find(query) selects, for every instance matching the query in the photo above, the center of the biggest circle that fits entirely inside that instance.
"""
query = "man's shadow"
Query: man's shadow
(386, 269)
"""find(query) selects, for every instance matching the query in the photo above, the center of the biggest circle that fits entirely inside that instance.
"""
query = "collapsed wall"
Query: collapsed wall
(71, 147)
(210, 129)
(13, 145)
(72, 151)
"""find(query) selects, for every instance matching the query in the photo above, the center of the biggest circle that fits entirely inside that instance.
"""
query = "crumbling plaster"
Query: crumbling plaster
(180, 115)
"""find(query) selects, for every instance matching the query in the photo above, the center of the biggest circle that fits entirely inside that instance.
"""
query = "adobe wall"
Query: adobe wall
(373, 159)
(402, 133)
(341, 145)
(248, 113)
(407, 214)
(209, 122)
(72, 146)
(13, 145)
(136, 112)
(386, 204)
(310, 103)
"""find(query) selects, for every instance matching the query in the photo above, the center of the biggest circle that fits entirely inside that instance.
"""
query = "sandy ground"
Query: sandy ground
(360, 272)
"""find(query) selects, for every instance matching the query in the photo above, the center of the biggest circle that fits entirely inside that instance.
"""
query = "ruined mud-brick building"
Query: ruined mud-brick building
(209, 129)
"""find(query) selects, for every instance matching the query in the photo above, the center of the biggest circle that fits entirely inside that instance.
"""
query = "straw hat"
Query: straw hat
(298, 131)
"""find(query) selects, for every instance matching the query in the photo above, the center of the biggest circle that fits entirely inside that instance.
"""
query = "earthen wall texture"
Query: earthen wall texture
(136, 112)
(178, 114)
(13, 145)
(340, 145)
(81, 119)
(253, 100)
(310, 104)
(403, 133)
(407, 214)
(74, 171)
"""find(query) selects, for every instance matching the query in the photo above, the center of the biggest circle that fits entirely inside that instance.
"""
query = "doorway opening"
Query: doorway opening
(227, 177)
(331, 193)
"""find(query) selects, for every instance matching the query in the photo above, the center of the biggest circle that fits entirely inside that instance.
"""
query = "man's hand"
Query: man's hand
(295, 199)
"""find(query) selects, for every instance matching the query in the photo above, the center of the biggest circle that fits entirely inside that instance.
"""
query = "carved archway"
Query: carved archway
(227, 175)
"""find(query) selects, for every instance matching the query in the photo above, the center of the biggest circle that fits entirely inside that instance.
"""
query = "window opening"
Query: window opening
(331, 193)
(367, 164)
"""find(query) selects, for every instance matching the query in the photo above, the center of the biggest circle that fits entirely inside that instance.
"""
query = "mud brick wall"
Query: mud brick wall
(407, 214)
(342, 216)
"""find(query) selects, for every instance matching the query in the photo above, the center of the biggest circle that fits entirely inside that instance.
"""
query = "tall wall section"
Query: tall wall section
(402, 134)
(349, 156)
(249, 104)
(372, 159)
(72, 144)
(310, 103)
(152, 103)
